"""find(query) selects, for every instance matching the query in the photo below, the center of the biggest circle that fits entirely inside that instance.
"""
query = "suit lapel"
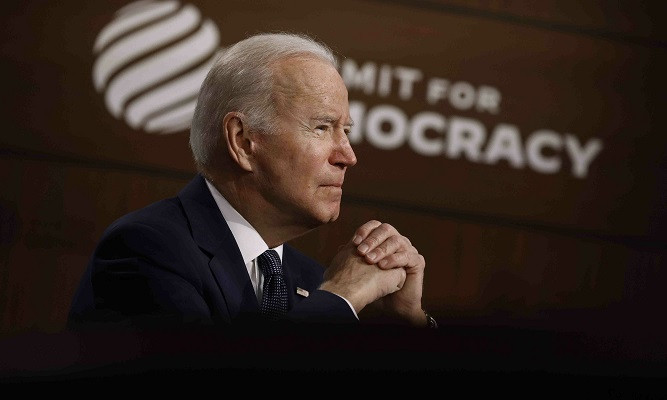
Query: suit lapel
(212, 234)
(232, 277)
(292, 276)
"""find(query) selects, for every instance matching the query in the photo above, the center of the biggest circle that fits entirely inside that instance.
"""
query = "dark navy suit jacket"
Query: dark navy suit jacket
(177, 262)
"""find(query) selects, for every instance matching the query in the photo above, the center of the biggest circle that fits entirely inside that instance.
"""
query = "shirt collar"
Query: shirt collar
(248, 240)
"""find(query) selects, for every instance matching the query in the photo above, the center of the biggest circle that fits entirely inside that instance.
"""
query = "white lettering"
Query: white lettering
(488, 99)
(354, 77)
(465, 136)
(462, 95)
(384, 81)
(581, 157)
(536, 158)
(436, 90)
(389, 116)
(418, 140)
(357, 111)
(430, 133)
(407, 77)
(505, 143)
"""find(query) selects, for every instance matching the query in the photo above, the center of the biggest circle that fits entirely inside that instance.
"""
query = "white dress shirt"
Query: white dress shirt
(250, 243)
(247, 238)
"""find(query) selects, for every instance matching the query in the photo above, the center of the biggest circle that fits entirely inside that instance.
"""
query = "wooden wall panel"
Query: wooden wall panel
(53, 213)
(620, 20)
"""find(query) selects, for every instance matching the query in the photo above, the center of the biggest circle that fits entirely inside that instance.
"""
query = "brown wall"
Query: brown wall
(504, 243)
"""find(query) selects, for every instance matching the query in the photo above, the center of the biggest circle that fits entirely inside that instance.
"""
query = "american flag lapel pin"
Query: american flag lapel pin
(302, 292)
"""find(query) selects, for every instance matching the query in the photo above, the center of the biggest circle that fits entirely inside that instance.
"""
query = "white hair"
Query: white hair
(241, 79)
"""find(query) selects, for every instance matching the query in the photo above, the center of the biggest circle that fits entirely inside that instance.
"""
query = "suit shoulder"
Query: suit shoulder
(163, 214)
(160, 229)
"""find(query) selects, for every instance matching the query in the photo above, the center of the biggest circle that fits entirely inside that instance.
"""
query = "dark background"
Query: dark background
(575, 266)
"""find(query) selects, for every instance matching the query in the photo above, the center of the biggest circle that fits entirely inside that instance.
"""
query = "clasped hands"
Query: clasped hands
(379, 268)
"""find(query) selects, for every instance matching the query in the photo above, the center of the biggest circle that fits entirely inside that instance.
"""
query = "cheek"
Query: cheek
(275, 165)
(292, 176)
(296, 167)
(314, 158)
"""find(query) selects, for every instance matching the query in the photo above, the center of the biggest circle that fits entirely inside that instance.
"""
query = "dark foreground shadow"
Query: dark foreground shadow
(377, 358)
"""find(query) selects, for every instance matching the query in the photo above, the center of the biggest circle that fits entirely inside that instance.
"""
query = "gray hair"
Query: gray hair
(241, 79)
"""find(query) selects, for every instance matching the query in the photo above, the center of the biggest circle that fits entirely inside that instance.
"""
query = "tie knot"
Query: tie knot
(269, 263)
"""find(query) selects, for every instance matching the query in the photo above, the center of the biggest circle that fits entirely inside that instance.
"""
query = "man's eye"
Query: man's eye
(321, 127)
(347, 131)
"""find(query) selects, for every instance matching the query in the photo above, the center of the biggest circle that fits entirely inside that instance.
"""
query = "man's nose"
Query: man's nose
(343, 155)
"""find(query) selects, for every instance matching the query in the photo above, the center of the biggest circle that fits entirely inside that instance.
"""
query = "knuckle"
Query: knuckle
(364, 228)
(389, 261)
(372, 224)
(396, 259)
(393, 242)
(368, 227)
(373, 240)
(404, 243)
(388, 227)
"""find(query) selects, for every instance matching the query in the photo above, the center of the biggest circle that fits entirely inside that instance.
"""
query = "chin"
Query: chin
(334, 215)
(324, 216)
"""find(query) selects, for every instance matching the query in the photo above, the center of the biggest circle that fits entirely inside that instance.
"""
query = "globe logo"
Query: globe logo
(150, 62)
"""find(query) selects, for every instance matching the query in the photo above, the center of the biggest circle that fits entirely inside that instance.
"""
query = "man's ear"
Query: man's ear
(237, 138)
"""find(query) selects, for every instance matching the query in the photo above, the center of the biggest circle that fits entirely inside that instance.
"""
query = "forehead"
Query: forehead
(308, 84)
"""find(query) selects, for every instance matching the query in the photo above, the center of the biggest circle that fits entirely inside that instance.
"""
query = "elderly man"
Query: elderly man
(269, 138)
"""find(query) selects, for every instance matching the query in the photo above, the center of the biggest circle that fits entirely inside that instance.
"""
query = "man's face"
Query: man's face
(301, 165)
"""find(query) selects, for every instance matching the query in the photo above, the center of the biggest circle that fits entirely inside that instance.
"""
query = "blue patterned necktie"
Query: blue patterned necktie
(274, 298)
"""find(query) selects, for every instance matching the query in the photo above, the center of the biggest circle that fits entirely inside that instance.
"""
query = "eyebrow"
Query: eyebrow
(330, 120)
